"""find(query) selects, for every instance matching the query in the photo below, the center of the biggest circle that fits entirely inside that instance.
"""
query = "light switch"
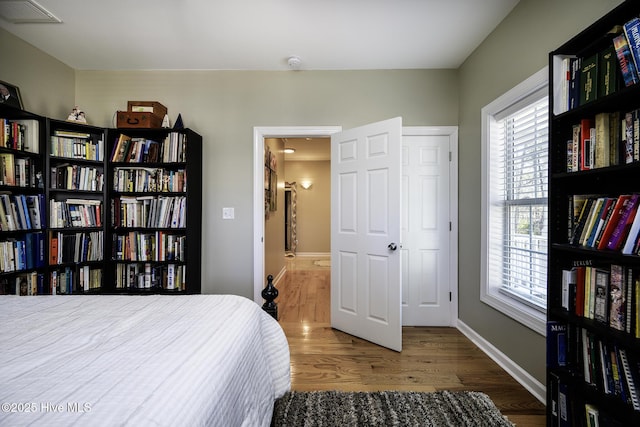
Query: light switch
(228, 213)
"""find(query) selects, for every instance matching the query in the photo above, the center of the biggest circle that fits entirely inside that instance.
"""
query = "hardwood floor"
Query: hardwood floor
(433, 358)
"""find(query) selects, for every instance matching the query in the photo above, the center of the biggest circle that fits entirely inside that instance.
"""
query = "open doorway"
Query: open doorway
(437, 177)
(260, 134)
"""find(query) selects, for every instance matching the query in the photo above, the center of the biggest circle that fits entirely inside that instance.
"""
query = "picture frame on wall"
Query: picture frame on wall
(10, 95)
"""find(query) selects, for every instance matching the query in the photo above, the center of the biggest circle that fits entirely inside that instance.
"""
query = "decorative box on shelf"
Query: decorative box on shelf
(142, 114)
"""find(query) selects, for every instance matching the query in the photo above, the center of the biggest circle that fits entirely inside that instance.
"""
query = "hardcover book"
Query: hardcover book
(608, 78)
(632, 32)
(625, 60)
(589, 79)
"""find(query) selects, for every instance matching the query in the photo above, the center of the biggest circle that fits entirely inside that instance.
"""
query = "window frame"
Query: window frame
(491, 293)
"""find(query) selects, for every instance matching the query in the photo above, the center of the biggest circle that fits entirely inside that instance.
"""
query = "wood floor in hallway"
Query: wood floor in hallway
(433, 358)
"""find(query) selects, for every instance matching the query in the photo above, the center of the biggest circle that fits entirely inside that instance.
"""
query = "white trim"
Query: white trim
(259, 134)
(279, 276)
(522, 313)
(312, 254)
(535, 387)
(452, 133)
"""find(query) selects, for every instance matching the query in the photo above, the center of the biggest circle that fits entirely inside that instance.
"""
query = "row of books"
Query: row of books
(607, 294)
(610, 368)
(140, 150)
(16, 134)
(605, 223)
(76, 177)
(76, 146)
(156, 246)
(608, 139)
(75, 213)
(24, 284)
(145, 179)
(19, 172)
(74, 280)
(75, 247)
(149, 211)
(24, 253)
(580, 80)
(149, 276)
(21, 212)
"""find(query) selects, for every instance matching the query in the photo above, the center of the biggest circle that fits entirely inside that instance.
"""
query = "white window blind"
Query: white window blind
(519, 193)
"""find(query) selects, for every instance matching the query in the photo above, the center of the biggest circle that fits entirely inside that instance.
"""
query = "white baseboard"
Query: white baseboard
(535, 387)
(313, 254)
(279, 276)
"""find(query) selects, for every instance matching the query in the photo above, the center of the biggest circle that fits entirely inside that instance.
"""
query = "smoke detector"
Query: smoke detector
(294, 62)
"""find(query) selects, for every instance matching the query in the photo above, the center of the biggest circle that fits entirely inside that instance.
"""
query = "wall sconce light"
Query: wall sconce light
(306, 184)
(289, 150)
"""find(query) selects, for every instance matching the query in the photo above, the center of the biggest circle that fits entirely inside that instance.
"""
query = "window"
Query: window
(514, 202)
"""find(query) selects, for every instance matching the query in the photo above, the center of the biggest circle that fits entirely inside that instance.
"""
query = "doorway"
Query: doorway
(448, 137)
(259, 135)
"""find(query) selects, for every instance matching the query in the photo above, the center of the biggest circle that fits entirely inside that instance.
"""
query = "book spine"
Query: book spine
(632, 33)
(625, 60)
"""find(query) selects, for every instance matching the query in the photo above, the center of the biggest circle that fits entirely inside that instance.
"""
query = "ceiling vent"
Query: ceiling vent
(26, 12)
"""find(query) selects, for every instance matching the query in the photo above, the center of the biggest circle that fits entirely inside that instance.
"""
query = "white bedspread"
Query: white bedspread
(160, 360)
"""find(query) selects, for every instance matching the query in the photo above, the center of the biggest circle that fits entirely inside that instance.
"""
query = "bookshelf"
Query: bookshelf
(593, 344)
(22, 252)
(76, 194)
(155, 212)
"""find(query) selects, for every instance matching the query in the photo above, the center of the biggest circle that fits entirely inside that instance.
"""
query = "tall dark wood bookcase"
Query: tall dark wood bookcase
(582, 382)
(60, 209)
(76, 195)
(155, 194)
(22, 230)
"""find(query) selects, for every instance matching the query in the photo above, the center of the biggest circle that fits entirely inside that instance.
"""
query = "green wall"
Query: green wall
(518, 48)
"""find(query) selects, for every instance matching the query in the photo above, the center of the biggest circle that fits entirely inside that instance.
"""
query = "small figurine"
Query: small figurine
(77, 115)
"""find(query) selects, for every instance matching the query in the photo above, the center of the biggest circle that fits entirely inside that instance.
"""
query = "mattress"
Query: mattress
(161, 360)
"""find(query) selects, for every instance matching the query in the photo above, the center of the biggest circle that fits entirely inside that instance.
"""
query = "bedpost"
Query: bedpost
(269, 293)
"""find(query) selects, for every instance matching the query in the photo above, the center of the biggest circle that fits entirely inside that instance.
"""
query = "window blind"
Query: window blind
(520, 193)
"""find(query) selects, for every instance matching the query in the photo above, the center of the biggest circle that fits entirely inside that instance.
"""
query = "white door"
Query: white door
(365, 232)
(426, 228)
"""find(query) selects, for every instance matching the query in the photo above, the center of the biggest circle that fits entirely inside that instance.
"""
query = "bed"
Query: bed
(160, 360)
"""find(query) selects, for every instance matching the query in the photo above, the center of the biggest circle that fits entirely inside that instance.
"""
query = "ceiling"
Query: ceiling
(308, 149)
(258, 34)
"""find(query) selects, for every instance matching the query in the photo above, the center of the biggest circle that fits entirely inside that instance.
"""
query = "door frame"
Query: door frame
(259, 135)
(262, 132)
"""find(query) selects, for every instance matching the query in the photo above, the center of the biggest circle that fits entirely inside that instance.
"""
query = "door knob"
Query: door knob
(392, 246)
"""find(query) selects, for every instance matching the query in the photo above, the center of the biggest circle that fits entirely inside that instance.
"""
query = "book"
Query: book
(602, 141)
(602, 216)
(594, 215)
(601, 295)
(608, 67)
(622, 227)
(617, 307)
(632, 387)
(628, 137)
(585, 144)
(625, 60)
(632, 33)
(568, 288)
(632, 235)
(613, 219)
(589, 79)
(556, 344)
(592, 415)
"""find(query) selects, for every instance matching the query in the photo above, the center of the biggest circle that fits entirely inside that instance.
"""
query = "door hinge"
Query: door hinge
(450, 225)
(449, 296)
(449, 155)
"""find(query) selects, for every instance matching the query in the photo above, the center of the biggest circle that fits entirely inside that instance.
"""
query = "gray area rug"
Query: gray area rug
(386, 408)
